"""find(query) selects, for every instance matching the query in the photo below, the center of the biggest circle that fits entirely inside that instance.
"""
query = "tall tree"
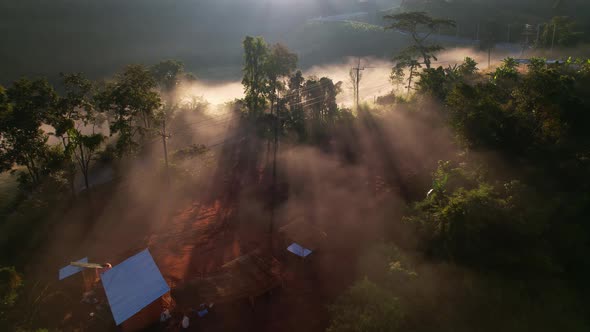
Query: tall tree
(355, 75)
(560, 31)
(491, 35)
(419, 25)
(168, 74)
(280, 63)
(405, 59)
(130, 100)
(24, 107)
(256, 53)
(320, 105)
(296, 116)
(84, 148)
(73, 116)
(330, 91)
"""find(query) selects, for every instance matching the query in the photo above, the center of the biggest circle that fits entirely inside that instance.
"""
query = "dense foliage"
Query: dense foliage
(509, 217)
(499, 243)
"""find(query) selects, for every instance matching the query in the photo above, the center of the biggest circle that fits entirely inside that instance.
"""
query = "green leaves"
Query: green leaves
(413, 21)
(10, 284)
(25, 106)
(440, 81)
(420, 26)
(508, 70)
(560, 31)
(264, 67)
(168, 74)
(130, 101)
(256, 53)
(366, 307)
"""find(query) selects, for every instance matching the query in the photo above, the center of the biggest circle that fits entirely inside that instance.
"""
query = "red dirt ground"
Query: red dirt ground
(197, 239)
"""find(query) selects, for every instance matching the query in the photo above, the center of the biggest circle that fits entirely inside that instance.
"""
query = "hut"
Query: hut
(246, 277)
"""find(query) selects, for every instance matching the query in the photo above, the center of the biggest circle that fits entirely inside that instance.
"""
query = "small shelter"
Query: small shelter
(135, 290)
(245, 277)
(298, 250)
(301, 238)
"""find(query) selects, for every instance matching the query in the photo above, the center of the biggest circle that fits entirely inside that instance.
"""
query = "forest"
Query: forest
(455, 198)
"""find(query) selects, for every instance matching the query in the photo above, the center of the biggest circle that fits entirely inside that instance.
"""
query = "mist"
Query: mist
(454, 205)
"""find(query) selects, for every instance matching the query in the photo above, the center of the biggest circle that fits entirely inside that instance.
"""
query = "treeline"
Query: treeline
(52, 136)
(283, 102)
(130, 109)
(501, 241)
(541, 24)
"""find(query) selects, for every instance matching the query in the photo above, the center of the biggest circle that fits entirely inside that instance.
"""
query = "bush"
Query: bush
(366, 307)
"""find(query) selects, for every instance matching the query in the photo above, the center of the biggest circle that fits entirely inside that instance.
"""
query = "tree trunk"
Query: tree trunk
(34, 171)
(29, 169)
(83, 166)
(410, 79)
(86, 184)
(72, 178)
(426, 60)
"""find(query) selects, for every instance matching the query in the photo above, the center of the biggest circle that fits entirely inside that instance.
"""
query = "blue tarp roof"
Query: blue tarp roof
(71, 270)
(133, 285)
(299, 250)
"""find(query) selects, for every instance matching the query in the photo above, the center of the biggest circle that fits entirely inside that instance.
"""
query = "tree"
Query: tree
(84, 149)
(468, 67)
(11, 283)
(296, 116)
(256, 54)
(130, 100)
(508, 70)
(168, 74)
(6, 156)
(73, 106)
(313, 100)
(355, 75)
(74, 112)
(366, 307)
(406, 59)
(397, 76)
(319, 104)
(280, 63)
(420, 26)
(560, 31)
(24, 107)
(330, 91)
(440, 81)
(492, 33)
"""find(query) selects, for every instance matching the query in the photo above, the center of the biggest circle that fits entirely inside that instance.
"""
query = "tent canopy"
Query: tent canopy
(70, 270)
(133, 285)
(299, 250)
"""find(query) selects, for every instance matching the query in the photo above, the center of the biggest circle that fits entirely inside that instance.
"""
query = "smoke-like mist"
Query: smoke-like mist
(214, 93)
(216, 204)
(375, 79)
(320, 184)
(204, 120)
